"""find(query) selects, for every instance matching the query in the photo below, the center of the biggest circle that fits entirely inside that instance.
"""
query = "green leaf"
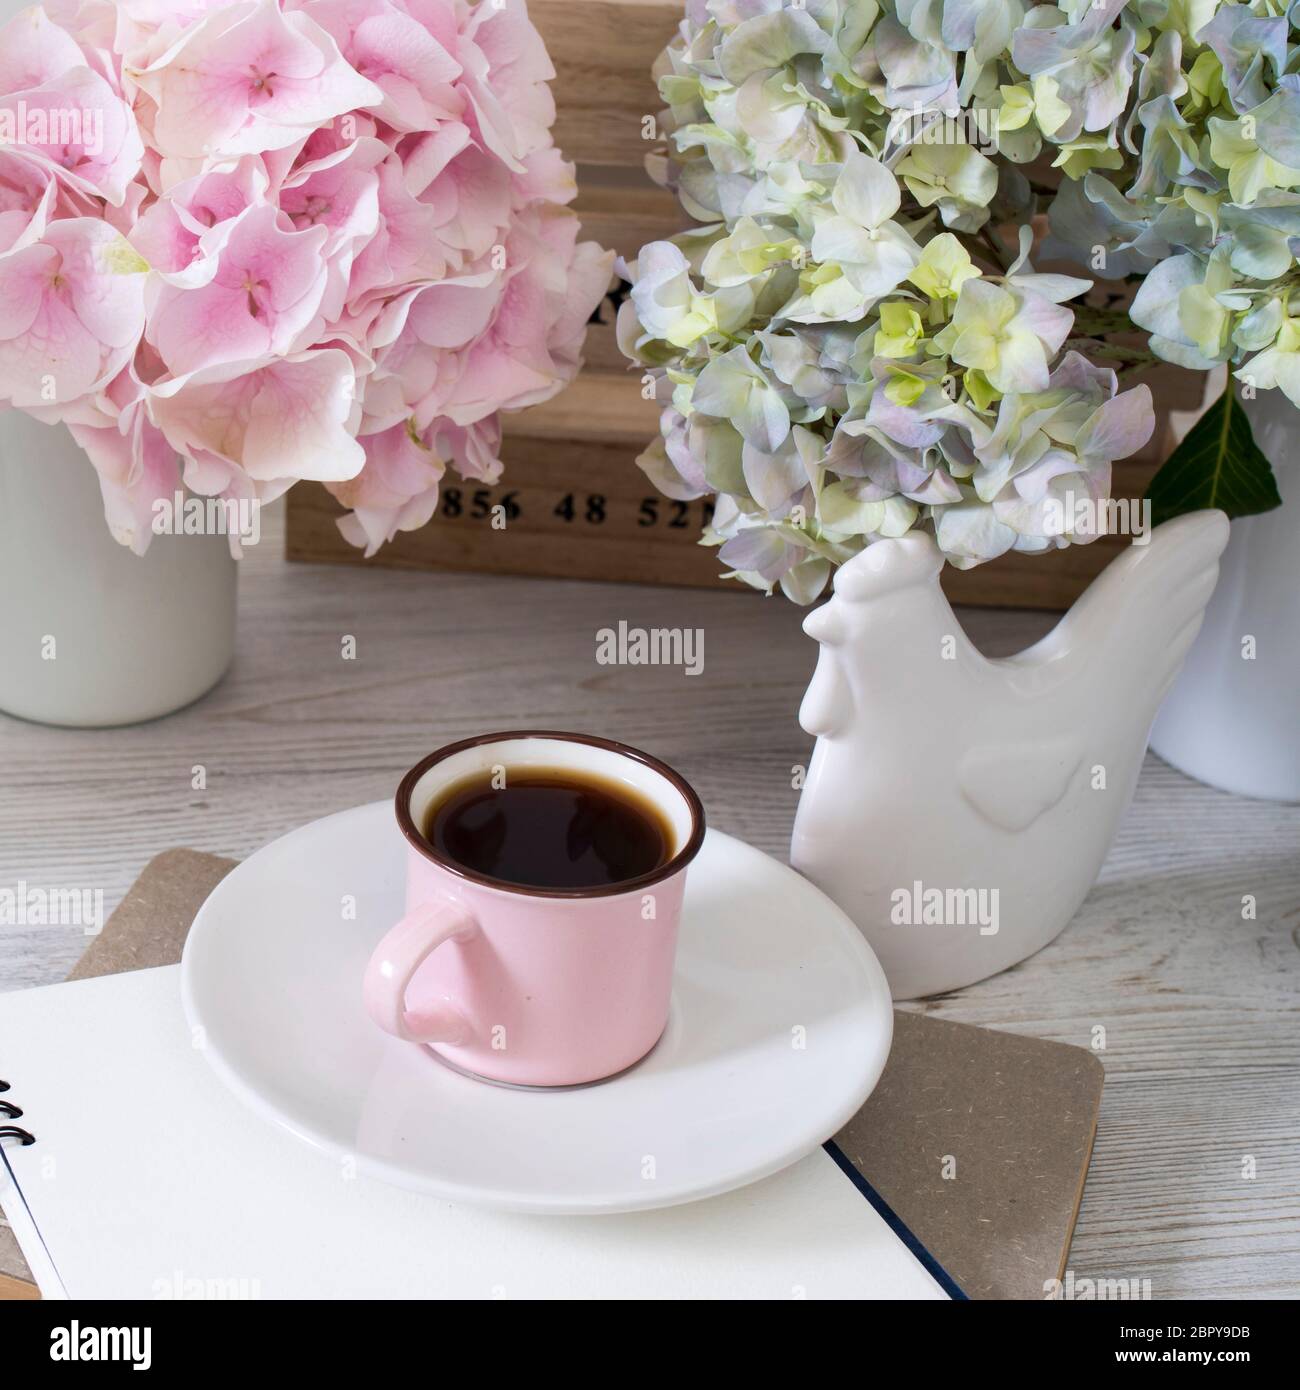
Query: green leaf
(1218, 464)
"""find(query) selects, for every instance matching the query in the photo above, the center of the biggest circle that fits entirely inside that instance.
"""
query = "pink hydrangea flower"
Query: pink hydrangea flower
(71, 313)
(246, 243)
(246, 78)
(35, 50)
(136, 467)
(287, 418)
(399, 55)
(27, 198)
(262, 288)
(397, 490)
(79, 128)
(170, 231)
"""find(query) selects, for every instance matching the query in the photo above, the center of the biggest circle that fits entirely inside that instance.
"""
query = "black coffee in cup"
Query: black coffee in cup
(548, 828)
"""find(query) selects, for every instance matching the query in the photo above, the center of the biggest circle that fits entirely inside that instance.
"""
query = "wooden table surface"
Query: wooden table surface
(1199, 1008)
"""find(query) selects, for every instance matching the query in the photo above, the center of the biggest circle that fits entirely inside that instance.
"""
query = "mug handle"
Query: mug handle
(396, 959)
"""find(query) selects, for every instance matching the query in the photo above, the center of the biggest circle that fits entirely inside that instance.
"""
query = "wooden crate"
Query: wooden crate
(584, 510)
(603, 51)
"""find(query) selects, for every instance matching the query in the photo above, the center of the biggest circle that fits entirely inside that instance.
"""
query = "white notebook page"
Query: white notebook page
(150, 1180)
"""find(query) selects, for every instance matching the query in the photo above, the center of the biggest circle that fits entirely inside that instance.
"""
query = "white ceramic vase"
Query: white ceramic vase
(1233, 719)
(959, 808)
(91, 634)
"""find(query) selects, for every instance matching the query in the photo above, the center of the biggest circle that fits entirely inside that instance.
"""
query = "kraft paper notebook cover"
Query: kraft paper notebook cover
(1018, 1114)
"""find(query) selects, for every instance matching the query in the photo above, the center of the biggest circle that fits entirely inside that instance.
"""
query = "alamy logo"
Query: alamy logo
(977, 127)
(26, 906)
(58, 126)
(179, 515)
(651, 646)
(919, 906)
(77, 1343)
(181, 1286)
(1086, 518)
(1071, 1289)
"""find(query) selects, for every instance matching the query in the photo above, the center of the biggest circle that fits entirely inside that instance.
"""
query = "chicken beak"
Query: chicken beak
(825, 625)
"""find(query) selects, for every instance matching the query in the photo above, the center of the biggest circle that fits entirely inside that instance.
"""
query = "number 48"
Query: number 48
(593, 514)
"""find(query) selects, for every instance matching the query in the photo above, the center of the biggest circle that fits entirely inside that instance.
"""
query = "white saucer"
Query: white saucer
(780, 1025)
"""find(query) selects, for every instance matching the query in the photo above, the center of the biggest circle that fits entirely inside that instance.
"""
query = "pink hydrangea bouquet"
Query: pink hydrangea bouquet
(247, 243)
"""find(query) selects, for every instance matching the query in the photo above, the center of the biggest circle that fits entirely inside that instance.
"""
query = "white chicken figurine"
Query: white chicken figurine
(959, 808)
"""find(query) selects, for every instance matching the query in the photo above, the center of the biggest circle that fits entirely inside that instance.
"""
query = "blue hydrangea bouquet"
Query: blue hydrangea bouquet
(854, 341)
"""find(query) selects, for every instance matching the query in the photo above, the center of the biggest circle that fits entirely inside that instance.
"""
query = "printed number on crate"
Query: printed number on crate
(478, 505)
(676, 514)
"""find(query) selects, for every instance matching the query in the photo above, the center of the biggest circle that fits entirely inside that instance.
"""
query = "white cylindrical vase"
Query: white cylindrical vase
(92, 634)
(1233, 718)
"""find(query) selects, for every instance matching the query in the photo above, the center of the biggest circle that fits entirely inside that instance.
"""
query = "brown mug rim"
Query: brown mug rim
(679, 861)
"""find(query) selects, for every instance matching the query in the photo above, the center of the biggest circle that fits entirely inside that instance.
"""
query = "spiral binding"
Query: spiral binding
(9, 1111)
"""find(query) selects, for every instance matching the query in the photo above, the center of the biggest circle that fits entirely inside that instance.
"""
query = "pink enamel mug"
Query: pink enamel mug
(533, 986)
